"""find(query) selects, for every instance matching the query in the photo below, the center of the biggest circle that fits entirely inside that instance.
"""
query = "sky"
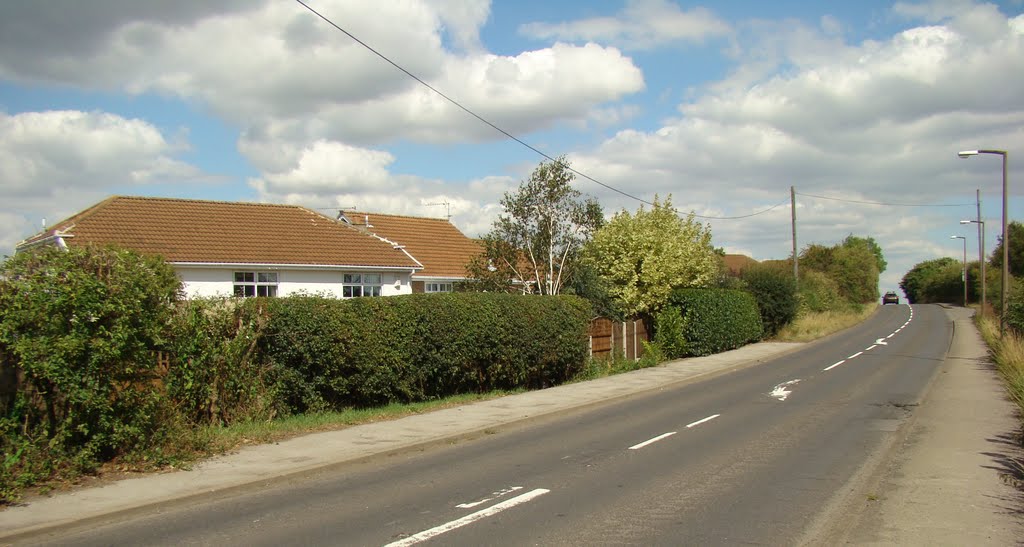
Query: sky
(724, 106)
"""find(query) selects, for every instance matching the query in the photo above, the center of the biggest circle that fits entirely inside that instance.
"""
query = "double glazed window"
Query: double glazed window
(437, 287)
(360, 284)
(255, 284)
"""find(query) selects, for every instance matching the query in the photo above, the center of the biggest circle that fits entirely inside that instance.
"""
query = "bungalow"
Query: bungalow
(254, 249)
(438, 245)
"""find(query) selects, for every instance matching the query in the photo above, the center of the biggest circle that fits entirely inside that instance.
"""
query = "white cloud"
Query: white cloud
(56, 162)
(642, 24)
(42, 153)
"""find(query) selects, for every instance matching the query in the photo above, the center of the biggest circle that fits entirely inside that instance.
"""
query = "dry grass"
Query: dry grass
(1008, 354)
(812, 325)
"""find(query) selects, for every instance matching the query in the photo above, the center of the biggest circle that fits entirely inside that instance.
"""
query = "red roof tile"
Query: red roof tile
(194, 231)
(443, 250)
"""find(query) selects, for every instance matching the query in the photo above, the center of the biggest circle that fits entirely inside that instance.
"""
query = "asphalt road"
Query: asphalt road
(753, 456)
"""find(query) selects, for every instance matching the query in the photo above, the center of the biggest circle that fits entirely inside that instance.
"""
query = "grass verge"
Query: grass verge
(813, 325)
(1008, 354)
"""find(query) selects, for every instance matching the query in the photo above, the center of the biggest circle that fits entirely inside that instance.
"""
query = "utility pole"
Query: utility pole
(796, 259)
(981, 253)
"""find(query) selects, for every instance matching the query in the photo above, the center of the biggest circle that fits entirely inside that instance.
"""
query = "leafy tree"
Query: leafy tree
(643, 257)
(1016, 230)
(854, 266)
(868, 242)
(935, 280)
(537, 239)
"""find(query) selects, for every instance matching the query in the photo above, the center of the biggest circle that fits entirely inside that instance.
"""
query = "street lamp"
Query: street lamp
(981, 258)
(1006, 237)
(964, 276)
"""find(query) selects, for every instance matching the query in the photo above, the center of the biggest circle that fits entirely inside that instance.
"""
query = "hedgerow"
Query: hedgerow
(716, 320)
(330, 353)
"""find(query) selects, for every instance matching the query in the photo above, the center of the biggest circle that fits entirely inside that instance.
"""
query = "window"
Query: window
(438, 287)
(255, 284)
(356, 285)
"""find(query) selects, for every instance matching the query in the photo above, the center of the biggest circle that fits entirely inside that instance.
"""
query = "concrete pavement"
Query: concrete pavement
(949, 480)
(941, 484)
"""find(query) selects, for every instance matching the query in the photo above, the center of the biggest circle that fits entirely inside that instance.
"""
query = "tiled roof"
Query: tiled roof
(194, 231)
(737, 263)
(443, 250)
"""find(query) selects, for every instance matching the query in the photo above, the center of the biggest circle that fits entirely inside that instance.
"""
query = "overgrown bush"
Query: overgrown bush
(819, 293)
(716, 320)
(80, 326)
(775, 292)
(215, 376)
(669, 337)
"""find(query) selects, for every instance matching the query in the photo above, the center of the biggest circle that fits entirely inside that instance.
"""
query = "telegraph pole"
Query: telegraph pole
(792, 208)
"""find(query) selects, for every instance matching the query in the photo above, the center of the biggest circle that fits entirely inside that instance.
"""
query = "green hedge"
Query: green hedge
(775, 292)
(716, 320)
(315, 353)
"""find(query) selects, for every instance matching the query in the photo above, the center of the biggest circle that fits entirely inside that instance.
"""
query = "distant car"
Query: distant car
(890, 298)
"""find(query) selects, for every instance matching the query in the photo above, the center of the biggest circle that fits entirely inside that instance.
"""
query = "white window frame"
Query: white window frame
(248, 284)
(357, 285)
(438, 286)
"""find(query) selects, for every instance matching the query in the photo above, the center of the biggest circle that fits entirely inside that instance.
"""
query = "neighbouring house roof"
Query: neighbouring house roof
(216, 232)
(737, 263)
(436, 243)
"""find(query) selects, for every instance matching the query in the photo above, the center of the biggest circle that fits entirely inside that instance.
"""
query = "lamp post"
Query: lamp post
(1006, 237)
(964, 276)
(981, 258)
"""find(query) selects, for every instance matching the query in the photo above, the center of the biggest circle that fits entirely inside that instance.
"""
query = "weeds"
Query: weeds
(813, 325)
(1008, 354)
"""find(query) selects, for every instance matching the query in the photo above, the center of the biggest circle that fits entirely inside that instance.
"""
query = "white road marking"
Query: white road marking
(871, 347)
(881, 342)
(494, 495)
(858, 354)
(652, 441)
(834, 365)
(698, 422)
(780, 392)
(468, 519)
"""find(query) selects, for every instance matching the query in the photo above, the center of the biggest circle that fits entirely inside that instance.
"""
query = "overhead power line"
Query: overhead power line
(885, 203)
(502, 131)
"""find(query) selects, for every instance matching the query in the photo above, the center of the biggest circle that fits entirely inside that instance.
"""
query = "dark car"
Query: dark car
(890, 298)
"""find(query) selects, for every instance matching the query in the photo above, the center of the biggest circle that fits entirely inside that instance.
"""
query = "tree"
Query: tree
(1016, 230)
(537, 240)
(868, 242)
(933, 281)
(854, 266)
(643, 257)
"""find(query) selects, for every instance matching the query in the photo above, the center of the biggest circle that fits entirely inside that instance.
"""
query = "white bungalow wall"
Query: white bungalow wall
(206, 282)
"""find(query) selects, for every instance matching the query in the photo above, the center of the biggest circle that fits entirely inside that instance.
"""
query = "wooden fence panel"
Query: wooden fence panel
(619, 339)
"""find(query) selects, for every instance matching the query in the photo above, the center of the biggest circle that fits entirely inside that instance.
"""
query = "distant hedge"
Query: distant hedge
(311, 353)
(716, 320)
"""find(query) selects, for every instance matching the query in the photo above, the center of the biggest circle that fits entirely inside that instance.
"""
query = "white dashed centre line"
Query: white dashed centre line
(855, 355)
(698, 422)
(469, 519)
(652, 441)
(834, 365)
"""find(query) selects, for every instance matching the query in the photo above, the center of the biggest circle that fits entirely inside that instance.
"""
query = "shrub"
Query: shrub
(775, 293)
(80, 325)
(716, 320)
(669, 337)
(819, 293)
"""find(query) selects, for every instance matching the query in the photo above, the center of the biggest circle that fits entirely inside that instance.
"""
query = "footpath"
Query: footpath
(941, 483)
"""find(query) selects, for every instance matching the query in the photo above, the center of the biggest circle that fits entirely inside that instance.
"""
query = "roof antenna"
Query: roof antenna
(447, 208)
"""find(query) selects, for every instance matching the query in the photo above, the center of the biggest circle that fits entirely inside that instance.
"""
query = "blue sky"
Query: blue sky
(724, 105)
